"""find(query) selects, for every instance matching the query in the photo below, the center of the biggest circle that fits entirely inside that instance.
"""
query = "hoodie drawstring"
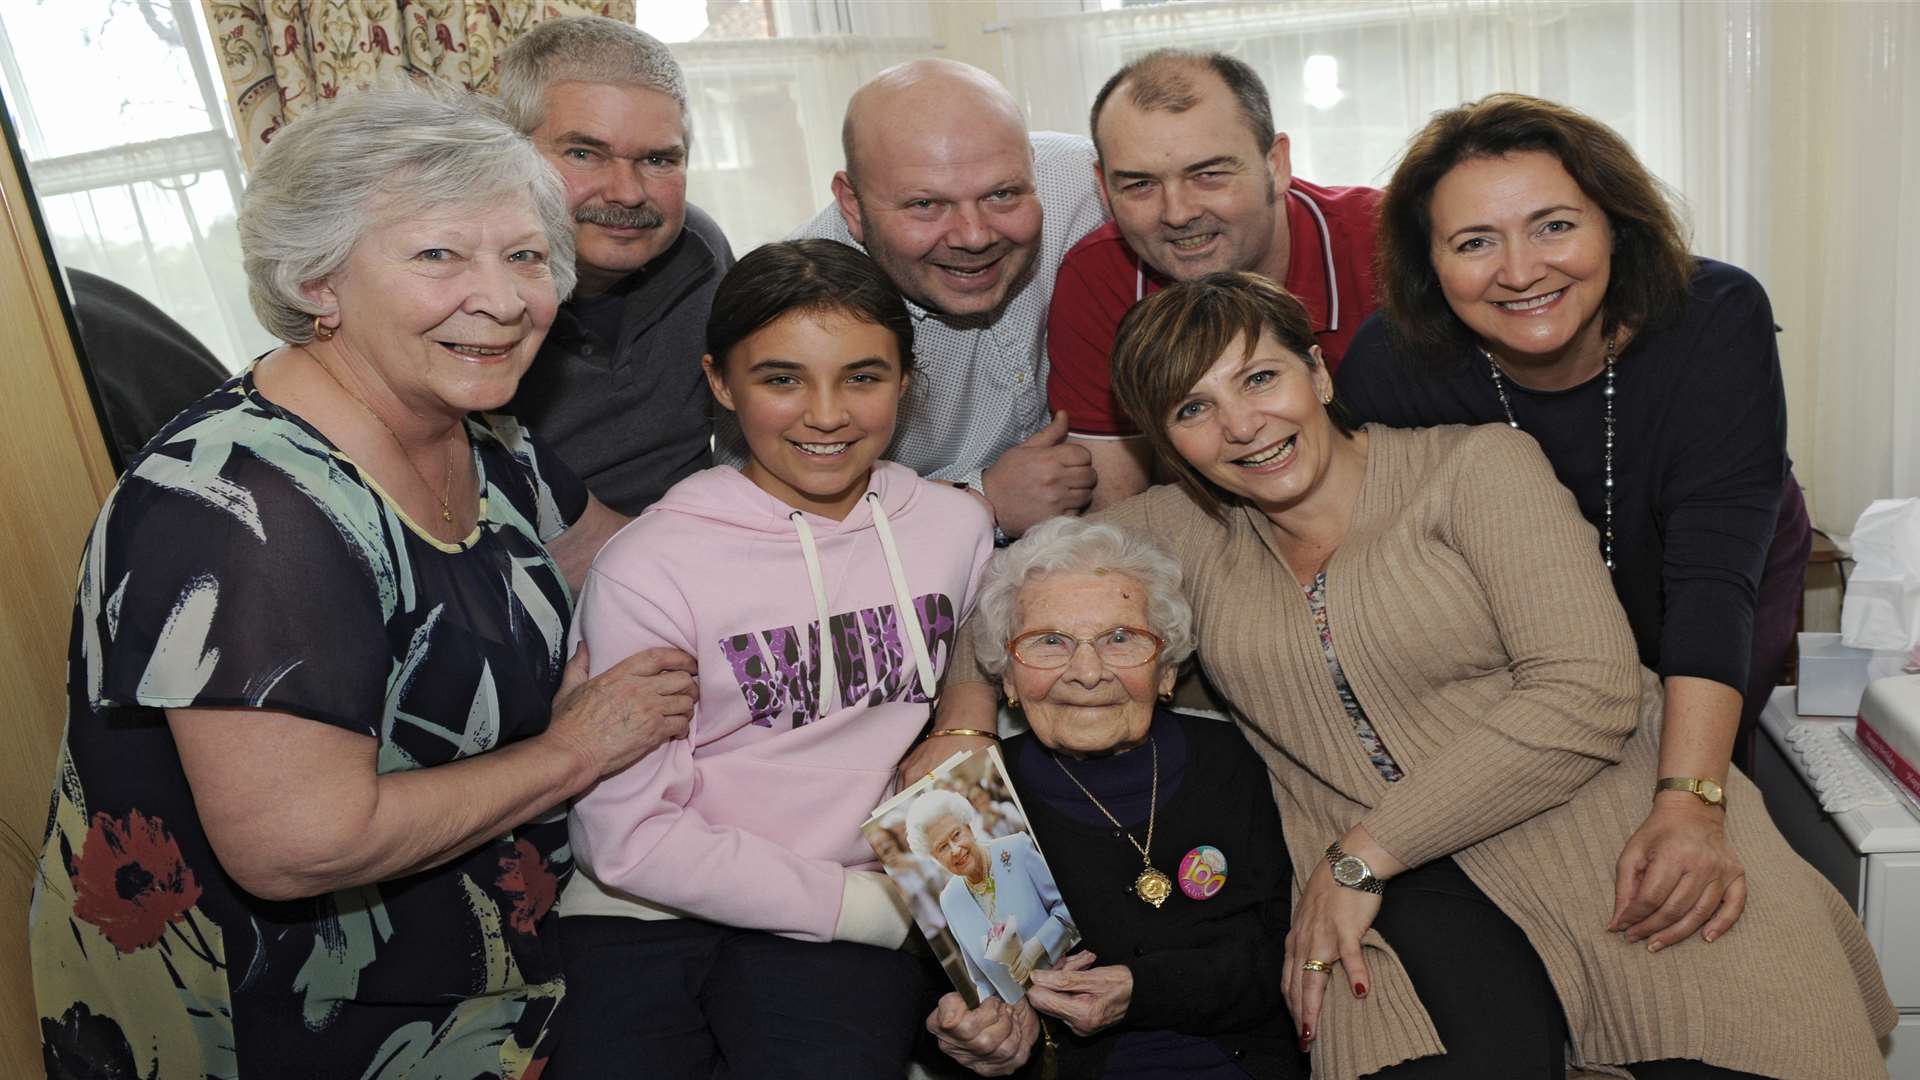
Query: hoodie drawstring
(903, 599)
(829, 684)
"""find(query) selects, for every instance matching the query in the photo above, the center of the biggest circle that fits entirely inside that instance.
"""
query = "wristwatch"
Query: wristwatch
(1707, 791)
(1353, 871)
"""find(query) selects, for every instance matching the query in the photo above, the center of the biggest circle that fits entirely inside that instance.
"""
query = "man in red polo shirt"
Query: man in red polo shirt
(1197, 181)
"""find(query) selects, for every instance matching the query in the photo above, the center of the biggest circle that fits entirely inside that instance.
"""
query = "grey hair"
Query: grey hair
(588, 49)
(423, 147)
(930, 807)
(1071, 545)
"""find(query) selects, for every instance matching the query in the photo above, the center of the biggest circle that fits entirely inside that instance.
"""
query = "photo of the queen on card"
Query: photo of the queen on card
(996, 914)
(1000, 902)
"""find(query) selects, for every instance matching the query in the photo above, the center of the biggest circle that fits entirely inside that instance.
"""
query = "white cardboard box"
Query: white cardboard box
(1832, 676)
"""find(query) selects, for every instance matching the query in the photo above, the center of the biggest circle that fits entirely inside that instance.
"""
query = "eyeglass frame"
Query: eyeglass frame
(1159, 646)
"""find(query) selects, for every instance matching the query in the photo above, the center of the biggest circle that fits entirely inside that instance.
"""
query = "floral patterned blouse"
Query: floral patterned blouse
(1376, 749)
(244, 562)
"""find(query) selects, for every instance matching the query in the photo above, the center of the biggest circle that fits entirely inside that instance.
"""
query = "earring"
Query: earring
(1012, 702)
(1327, 398)
(323, 332)
(1168, 696)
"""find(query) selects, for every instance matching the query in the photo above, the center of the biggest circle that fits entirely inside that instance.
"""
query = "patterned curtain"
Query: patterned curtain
(280, 56)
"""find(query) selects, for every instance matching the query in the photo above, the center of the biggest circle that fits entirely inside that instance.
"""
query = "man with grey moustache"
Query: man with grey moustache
(617, 389)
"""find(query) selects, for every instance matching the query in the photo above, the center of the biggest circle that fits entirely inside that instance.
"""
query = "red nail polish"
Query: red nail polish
(1360, 991)
(1303, 1045)
(1306, 1033)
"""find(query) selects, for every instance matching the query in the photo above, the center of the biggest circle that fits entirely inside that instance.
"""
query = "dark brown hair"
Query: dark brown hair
(1650, 268)
(803, 275)
(1168, 341)
(1163, 79)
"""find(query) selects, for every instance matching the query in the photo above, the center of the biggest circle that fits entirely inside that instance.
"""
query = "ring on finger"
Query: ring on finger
(1320, 966)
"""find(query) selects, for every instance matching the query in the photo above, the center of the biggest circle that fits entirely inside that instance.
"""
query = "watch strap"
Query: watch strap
(1707, 790)
(1367, 882)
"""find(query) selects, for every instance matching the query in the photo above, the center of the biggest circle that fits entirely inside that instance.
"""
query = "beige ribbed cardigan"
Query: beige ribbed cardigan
(1477, 626)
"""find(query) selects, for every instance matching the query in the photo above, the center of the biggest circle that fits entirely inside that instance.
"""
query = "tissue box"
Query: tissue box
(1832, 676)
(1889, 727)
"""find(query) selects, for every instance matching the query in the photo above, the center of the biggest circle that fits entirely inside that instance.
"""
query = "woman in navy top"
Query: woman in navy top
(1533, 273)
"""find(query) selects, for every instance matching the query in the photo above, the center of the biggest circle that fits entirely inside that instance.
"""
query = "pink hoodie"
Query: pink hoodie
(754, 819)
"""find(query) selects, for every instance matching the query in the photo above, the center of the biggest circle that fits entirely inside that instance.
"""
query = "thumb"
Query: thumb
(1079, 961)
(575, 672)
(1053, 434)
(1626, 881)
(1057, 979)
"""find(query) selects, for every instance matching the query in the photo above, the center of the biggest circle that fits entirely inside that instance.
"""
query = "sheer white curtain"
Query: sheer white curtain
(1843, 165)
(768, 82)
(766, 124)
(1351, 80)
(1791, 131)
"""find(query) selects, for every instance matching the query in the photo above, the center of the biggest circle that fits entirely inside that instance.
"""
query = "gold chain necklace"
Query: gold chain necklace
(1151, 886)
(446, 485)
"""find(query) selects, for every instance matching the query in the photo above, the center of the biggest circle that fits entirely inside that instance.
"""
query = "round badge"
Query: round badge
(1203, 872)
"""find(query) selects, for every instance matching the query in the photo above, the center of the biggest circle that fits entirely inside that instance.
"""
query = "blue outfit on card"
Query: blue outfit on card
(1023, 890)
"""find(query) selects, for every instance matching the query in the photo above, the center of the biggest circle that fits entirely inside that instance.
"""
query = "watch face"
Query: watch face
(1711, 791)
(1349, 871)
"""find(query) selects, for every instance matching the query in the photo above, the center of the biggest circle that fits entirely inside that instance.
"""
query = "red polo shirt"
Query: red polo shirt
(1330, 269)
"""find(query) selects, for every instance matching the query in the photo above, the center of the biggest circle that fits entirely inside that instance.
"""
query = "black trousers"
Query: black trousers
(688, 999)
(1484, 987)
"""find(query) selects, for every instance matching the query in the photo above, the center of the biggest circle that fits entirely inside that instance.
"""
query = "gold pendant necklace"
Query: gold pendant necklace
(1151, 886)
(446, 485)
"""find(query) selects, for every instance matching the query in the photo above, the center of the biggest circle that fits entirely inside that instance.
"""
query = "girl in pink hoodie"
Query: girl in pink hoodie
(728, 916)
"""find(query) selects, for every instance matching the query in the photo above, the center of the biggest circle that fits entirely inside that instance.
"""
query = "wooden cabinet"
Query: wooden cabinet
(54, 472)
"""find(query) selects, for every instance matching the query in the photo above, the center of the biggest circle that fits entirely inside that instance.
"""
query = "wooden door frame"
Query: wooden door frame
(55, 470)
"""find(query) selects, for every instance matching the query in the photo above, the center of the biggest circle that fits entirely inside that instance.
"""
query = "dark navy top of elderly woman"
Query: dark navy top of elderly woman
(1206, 972)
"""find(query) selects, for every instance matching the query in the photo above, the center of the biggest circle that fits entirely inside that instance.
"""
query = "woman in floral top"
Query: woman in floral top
(307, 816)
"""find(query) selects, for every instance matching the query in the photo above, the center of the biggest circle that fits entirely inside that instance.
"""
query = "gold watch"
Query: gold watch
(1707, 791)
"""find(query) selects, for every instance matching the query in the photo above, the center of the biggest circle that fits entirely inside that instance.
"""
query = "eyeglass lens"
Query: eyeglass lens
(1119, 646)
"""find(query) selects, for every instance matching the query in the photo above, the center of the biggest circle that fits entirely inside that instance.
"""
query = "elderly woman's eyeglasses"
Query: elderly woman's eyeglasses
(1117, 646)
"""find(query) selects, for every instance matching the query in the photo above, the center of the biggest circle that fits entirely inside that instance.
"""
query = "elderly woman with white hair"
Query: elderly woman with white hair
(1160, 829)
(308, 812)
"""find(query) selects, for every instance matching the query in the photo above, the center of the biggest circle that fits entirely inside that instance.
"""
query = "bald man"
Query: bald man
(969, 215)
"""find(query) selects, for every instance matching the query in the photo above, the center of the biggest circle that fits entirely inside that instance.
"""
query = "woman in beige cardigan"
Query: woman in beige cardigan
(1419, 633)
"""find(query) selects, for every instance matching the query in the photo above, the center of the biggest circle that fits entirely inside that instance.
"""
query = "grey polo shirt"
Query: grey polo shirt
(632, 416)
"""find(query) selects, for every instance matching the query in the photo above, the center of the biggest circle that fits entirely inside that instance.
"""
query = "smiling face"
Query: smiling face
(1193, 192)
(956, 848)
(448, 305)
(622, 151)
(947, 208)
(1257, 426)
(1523, 258)
(1085, 707)
(817, 394)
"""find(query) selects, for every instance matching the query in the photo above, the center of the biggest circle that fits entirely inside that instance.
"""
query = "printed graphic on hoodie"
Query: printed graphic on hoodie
(870, 660)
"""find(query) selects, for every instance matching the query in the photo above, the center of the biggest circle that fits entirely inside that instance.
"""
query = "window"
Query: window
(123, 126)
